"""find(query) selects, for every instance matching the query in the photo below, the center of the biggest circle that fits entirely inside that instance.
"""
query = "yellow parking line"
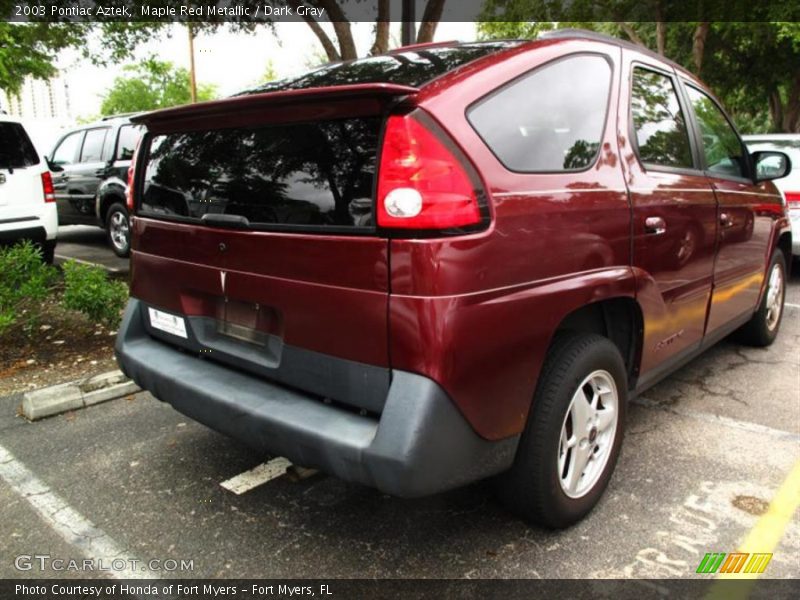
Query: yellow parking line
(768, 531)
(765, 536)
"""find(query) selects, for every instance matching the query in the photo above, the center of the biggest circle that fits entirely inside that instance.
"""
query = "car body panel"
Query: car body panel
(23, 211)
(473, 314)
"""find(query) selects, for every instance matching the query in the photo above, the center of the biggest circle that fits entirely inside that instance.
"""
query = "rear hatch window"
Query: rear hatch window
(293, 176)
(16, 149)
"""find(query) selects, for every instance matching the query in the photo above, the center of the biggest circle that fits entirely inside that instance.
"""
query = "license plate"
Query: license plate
(167, 322)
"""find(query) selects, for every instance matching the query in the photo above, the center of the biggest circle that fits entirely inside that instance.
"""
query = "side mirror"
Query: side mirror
(53, 166)
(770, 165)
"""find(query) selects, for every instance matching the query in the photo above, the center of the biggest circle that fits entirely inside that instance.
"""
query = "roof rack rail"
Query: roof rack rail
(572, 32)
(118, 116)
(585, 34)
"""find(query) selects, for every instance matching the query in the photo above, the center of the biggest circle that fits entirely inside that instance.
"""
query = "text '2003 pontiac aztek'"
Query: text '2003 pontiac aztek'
(449, 262)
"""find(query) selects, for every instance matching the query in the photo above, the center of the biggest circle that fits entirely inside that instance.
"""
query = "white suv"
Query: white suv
(789, 186)
(27, 198)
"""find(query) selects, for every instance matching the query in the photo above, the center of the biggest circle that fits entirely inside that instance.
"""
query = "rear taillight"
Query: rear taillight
(793, 200)
(131, 179)
(47, 187)
(422, 184)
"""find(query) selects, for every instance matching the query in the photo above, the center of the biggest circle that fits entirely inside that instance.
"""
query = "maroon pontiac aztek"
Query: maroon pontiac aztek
(449, 262)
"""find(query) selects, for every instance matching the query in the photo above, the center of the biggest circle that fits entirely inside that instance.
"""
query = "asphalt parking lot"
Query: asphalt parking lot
(88, 244)
(706, 452)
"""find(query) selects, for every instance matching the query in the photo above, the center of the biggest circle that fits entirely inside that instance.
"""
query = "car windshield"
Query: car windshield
(413, 67)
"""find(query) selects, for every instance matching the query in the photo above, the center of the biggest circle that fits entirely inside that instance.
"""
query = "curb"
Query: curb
(57, 399)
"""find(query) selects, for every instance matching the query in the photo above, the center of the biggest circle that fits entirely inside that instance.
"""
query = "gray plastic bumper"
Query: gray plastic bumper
(419, 445)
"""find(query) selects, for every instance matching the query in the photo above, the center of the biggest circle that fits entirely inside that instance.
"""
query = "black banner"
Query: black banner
(274, 11)
(407, 589)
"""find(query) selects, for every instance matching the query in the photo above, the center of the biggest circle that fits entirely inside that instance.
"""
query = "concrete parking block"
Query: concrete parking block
(57, 399)
(51, 401)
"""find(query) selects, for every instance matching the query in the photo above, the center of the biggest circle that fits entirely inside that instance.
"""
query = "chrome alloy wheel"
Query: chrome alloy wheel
(774, 303)
(587, 434)
(119, 230)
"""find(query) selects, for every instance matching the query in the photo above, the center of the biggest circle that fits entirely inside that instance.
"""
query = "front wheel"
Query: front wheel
(118, 230)
(762, 329)
(570, 445)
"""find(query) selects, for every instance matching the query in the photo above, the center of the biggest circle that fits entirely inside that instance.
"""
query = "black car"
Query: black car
(90, 174)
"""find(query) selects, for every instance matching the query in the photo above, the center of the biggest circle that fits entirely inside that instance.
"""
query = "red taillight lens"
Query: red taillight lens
(421, 183)
(47, 187)
(793, 200)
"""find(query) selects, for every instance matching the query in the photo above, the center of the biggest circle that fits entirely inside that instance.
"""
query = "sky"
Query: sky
(232, 62)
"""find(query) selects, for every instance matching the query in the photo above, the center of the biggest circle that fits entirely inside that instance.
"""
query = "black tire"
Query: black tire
(118, 230)
(48, 251)
(532, 488)
(762, 329)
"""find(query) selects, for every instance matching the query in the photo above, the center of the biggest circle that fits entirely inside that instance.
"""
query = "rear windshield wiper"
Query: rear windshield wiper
(231, 221)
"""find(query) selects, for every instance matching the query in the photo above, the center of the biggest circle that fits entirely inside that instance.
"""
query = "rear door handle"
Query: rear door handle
(725, 220)
(655, 225)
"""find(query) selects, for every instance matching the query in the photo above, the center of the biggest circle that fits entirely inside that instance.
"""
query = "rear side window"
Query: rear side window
(128, 138)
(658, 121)
(16, 149)
(724, 153)
(312, 175)
(92, 150)
(549, 120)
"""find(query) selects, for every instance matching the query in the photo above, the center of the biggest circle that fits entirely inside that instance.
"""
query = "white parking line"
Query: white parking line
(790, 305)
(244, 482)
(73, 527)
(720, 420)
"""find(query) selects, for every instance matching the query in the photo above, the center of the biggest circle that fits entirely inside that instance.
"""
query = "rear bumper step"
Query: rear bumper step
(419, 445)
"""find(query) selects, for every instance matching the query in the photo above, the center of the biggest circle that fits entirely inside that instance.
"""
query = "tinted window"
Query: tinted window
(128, 138)
(550, 120)
(67, 149)
(16, 149)
(93, 145)
(312, 174)
(659, 122)
(412, 68)
(721, 146)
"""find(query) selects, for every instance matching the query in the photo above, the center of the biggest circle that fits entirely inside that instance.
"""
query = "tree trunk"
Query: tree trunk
(661, 37)
(430, 19)
(776, 109)
(791, 113)
(631, 33)
(327, 44)
(347, 46)
(699, 46)
(381, 44)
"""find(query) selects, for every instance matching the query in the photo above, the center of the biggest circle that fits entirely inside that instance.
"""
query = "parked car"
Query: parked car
(90, 174)
(27, 201)
(517, 281)
(789, 186)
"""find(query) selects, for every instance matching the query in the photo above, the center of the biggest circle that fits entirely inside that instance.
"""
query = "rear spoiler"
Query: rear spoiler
(265, 99)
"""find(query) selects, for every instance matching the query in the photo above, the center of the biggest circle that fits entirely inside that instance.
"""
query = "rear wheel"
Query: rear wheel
(763, 328)
(48, 249)
(570, 445)
(118, 230)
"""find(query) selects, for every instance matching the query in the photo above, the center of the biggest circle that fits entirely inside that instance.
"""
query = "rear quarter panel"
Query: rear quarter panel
(477, 313)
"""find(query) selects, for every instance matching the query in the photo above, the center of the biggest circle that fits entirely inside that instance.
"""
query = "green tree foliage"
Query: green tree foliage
(754, 67)
(30, 50)
(150, 85)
